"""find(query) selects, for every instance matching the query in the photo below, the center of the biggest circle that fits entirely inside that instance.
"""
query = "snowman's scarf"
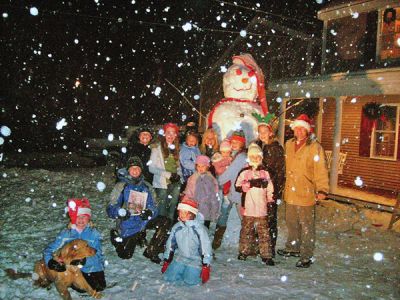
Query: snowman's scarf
(210, 116)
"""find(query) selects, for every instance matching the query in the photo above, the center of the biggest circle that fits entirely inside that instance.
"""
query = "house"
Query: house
(358, 93)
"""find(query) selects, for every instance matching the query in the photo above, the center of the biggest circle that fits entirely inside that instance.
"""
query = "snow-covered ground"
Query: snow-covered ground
(354, 260)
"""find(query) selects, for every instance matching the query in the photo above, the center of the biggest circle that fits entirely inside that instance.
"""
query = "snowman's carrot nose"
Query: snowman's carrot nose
(245, 80)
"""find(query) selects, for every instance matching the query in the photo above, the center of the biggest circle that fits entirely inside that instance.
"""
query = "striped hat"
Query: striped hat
(78, 207)
(189, 205)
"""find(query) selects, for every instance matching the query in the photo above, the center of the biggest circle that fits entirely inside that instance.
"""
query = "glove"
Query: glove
(245, 186)
(56, 266)
(167, 262)
(78, 262)
(174, 178)
(146, 214)
(123, 214)
(205, 273)
(259, 183)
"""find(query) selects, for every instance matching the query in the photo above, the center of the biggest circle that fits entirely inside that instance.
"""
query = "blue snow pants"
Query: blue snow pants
(181, 274)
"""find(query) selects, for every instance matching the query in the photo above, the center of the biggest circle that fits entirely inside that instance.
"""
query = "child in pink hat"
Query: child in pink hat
(221, 161)
(202, 187)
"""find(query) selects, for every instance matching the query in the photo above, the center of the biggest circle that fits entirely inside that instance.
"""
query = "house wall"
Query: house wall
(375, 173)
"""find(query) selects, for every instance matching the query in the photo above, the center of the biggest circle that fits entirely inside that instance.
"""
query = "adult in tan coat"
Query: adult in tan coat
(306, 183)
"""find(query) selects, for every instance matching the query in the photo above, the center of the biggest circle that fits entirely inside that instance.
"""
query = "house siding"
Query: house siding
(375, 173)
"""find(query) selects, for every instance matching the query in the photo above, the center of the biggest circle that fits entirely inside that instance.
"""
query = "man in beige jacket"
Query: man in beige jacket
(306, 183)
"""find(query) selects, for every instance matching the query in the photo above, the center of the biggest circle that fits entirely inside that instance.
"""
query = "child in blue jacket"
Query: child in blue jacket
(134, 207)
(187, 155)
(188, 251)
(80, 227)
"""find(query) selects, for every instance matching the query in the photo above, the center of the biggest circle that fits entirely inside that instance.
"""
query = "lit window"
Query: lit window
(390, 33)
(385, 134)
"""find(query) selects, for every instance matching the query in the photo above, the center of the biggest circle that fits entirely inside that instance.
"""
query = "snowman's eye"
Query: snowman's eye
(251, 73)
(238, 72)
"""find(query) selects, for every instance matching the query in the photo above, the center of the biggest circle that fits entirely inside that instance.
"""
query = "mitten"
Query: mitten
(78, 262)
(174, 178)
(245, 186)
(164, 266)
(167, 262)
(56, 266)
(259, 183)
(205, 273)
(123, 214)
(146, 214)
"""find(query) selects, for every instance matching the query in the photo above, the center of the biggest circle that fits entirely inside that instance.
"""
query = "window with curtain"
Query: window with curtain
(380, 137)
(384, 138)
(390, 34)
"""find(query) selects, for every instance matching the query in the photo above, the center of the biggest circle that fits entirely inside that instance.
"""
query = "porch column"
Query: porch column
(282, 119)
(337, 137)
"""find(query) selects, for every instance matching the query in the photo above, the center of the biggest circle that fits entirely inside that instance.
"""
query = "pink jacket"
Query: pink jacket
(221, 165)
(256, 198)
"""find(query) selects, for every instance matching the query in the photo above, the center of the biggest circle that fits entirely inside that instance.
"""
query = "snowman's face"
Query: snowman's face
(240, 83)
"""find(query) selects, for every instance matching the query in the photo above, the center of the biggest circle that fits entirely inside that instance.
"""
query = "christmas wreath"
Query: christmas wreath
(372, 110)
(389, 15)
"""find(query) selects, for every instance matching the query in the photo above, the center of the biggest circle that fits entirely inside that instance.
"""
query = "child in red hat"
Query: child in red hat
(80, 227)
(187, 255)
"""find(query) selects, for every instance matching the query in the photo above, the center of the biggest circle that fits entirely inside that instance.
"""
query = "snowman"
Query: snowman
(243, 84)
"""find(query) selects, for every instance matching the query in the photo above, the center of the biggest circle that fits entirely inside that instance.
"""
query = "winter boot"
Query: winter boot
(154, 258)
(304, 263)
(218, 236)
(286, 253)
(115, 237)
(242, 256)
(268, 261)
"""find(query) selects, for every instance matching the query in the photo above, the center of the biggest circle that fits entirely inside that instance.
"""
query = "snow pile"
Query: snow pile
(348, 247)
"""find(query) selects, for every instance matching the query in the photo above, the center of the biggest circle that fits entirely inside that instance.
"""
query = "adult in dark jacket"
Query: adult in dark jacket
(139, 145)
(274, 162)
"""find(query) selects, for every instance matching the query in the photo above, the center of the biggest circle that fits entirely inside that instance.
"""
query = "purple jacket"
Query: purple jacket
(203, 189)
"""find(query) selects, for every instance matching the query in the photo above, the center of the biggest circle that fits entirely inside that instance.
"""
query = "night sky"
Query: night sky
(101, 65)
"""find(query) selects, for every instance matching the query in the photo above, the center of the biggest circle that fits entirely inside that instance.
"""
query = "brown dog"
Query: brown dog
(75, 250)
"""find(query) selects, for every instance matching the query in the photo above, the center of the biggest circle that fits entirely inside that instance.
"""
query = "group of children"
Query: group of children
(199, 183)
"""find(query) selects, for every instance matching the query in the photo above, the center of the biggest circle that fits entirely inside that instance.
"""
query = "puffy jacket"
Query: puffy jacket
(91, 235)
(187, 159)
(306, 173)
(204, 189)
(231, 174)
(190, 242)
(157, 167)
(255, 199)
(134, 223)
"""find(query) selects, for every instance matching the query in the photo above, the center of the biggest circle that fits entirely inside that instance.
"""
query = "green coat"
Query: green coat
(306, 173)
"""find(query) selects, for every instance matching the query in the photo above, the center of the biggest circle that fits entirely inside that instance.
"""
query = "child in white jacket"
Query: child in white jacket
(257, 190)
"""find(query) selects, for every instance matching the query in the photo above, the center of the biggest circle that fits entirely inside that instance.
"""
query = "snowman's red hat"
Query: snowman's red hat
(248, 61)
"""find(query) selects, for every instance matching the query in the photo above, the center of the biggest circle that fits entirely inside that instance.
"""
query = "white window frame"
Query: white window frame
(373, 137)
(379, 34)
